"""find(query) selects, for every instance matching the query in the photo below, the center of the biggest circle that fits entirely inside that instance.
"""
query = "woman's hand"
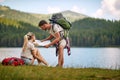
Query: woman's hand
(42, 40)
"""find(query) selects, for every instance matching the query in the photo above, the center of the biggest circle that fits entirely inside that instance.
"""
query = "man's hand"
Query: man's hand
(47, 46)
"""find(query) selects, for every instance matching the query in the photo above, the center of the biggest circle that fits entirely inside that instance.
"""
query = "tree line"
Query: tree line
(87, 32)
(91, 32)
(12, 32)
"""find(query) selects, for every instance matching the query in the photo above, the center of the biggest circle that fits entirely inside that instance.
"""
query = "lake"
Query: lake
(80, 57)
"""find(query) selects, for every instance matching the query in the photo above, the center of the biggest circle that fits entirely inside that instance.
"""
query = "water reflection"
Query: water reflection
(111, 57)
(95, 57)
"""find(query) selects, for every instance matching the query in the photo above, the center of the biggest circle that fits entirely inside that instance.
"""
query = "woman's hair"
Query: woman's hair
(27, 37)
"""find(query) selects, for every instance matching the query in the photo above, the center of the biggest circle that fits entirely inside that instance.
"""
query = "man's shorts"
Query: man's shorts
(62, 43)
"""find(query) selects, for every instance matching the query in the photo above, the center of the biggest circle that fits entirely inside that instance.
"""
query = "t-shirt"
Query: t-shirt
(27, 52)
(56, 28)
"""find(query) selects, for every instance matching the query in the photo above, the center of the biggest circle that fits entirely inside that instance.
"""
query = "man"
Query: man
(56, 32)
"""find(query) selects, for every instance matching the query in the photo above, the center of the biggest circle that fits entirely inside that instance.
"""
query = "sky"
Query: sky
(107, 9)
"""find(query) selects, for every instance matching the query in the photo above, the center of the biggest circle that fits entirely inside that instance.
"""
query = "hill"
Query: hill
(6, 12)
(12, 32)
(95, 32)
(32, 18)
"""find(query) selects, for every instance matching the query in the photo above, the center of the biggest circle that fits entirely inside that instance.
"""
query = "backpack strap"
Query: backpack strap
(61, 35)
(53, 27)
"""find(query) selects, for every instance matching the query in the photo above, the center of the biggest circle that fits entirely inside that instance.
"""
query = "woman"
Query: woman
(29, 52)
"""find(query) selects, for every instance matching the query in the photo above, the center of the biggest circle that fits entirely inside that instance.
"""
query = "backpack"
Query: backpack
(13, 61)
(59, 19)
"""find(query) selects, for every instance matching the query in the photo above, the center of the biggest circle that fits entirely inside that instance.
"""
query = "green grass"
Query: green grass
(56, 73)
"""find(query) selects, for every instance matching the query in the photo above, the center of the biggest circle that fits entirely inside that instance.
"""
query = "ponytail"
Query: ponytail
(25, 42)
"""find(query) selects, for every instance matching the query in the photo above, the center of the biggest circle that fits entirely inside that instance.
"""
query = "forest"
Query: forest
(91, 32)
(87, 32)
(12, 32)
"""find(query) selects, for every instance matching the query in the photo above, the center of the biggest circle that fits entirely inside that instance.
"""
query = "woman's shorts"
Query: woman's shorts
(27, 60)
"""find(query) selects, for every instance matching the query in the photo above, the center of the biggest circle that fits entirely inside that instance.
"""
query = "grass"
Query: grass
(56, 73)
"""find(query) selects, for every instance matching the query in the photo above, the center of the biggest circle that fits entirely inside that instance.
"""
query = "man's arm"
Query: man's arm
(48, 38)
(57, 38)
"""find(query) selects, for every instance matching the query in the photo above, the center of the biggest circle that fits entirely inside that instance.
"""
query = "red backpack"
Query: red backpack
(13, 61)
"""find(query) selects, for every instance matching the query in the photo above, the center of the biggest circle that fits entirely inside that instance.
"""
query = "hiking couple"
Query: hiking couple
(57, 33)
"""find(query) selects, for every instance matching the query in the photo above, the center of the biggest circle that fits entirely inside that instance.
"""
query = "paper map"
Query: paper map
(39, 43)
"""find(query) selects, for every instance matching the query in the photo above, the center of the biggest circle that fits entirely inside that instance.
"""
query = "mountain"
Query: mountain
(33, 18)
(73, 15)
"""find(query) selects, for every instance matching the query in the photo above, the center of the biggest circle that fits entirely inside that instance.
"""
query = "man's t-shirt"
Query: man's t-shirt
(56, 28)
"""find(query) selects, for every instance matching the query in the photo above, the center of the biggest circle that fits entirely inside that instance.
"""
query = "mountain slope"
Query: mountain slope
(6, 12)
(33, 19)
(73, 15)
(12, 32)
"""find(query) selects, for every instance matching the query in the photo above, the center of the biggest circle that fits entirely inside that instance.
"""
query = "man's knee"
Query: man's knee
(61, 47)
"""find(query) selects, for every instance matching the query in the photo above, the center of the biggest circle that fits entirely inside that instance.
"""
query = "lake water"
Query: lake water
(80, 57)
